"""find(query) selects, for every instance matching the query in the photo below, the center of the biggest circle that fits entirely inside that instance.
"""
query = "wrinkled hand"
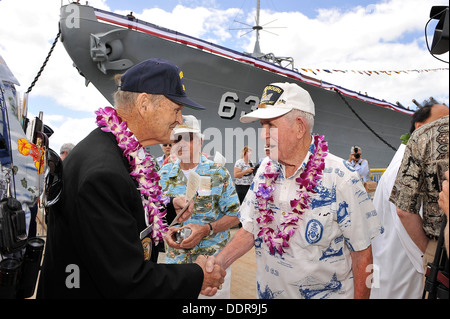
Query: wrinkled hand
(214, 275)
(198, 233)
(178, 204)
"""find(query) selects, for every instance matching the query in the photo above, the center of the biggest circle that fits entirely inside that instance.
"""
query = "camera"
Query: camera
(182, 234)
(355, 149)
(357, 156)
(249, 174)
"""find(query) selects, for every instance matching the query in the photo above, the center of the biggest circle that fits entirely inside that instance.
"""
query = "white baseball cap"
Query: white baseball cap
(278, 99)
(190, 124)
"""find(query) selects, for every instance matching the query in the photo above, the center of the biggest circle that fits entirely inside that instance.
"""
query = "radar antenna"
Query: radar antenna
(282, 61)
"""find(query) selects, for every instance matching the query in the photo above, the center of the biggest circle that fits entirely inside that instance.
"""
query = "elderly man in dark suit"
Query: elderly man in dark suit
(103, 230)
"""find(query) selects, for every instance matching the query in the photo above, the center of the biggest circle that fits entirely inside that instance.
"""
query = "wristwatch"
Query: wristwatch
(211, 231)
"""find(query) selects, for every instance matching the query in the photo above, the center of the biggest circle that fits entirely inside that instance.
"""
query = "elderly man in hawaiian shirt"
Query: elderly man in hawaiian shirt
(216, 204)
(307, 213)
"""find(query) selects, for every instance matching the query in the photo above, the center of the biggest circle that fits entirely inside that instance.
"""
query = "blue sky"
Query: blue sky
(319, 34)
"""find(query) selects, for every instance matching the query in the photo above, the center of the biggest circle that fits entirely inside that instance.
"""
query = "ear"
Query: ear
(302, 126)
(418, 124)
(143, 104)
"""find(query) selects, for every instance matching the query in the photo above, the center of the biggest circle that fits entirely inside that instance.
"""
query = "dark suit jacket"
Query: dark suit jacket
(93, 248)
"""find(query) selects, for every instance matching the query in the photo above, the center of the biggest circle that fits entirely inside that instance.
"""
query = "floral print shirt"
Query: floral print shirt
(246, 179)
(210, 204)
(419, 179)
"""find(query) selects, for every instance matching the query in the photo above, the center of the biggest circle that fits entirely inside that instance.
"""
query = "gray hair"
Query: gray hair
(352, 150)
(126, 99)
(309, 118)
(66, 147)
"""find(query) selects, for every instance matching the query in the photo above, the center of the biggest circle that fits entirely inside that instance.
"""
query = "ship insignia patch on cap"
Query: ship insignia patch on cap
(271, 94)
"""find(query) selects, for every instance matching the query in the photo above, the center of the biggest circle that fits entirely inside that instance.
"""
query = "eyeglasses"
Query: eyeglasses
(165, 145)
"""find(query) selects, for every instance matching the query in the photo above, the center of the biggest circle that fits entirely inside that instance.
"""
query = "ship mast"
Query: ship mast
(282, 61)
(257, 50)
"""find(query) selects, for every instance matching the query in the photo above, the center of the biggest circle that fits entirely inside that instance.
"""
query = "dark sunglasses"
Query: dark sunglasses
(165, 145)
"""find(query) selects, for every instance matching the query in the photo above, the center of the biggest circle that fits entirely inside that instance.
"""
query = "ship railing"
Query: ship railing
(376, 173)
(285, 62)
(374, 176)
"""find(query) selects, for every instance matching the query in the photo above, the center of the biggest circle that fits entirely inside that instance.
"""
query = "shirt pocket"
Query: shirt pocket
(314, 233)
(202, 206)
(206, 205)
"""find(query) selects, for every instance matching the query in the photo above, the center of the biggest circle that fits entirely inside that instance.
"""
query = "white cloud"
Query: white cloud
(198, 22)
(363, 38)
(68, 130)
(28, 29)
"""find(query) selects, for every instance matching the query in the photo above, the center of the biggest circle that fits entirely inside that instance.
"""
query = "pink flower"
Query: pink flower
(307, 181)
(142, 170)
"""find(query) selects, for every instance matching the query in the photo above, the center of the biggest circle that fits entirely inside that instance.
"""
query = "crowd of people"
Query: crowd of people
(300, 207)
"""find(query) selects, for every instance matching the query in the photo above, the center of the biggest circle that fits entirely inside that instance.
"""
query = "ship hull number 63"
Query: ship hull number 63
(228, 107)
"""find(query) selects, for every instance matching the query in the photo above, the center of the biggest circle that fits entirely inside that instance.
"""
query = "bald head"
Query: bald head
(436, 112)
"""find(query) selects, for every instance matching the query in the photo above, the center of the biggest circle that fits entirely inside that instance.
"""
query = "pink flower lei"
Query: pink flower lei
(307, 182)
(142, 170)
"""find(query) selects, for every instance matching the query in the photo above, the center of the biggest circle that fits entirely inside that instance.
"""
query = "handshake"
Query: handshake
(214, 275)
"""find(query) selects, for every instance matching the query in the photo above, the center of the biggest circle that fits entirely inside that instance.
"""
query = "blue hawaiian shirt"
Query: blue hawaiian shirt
(340, 219)
(210, 204)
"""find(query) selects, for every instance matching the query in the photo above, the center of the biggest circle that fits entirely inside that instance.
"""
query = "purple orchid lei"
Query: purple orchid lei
(278, 240)
(142, 170)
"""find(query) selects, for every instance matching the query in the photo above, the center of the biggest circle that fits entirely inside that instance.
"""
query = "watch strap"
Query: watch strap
(211, 231)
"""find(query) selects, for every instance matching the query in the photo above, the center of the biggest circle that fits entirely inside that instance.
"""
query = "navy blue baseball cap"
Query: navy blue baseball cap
(158, 76)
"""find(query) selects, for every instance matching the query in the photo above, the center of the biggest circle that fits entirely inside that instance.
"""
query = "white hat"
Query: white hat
(190, 124)
(278, 99)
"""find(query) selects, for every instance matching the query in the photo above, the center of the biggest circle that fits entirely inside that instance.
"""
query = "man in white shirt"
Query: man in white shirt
(307, 212)
(399, 270)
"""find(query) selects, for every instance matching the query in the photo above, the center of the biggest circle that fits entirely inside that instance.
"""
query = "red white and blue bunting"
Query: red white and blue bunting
(371, 72)
(178, 37)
